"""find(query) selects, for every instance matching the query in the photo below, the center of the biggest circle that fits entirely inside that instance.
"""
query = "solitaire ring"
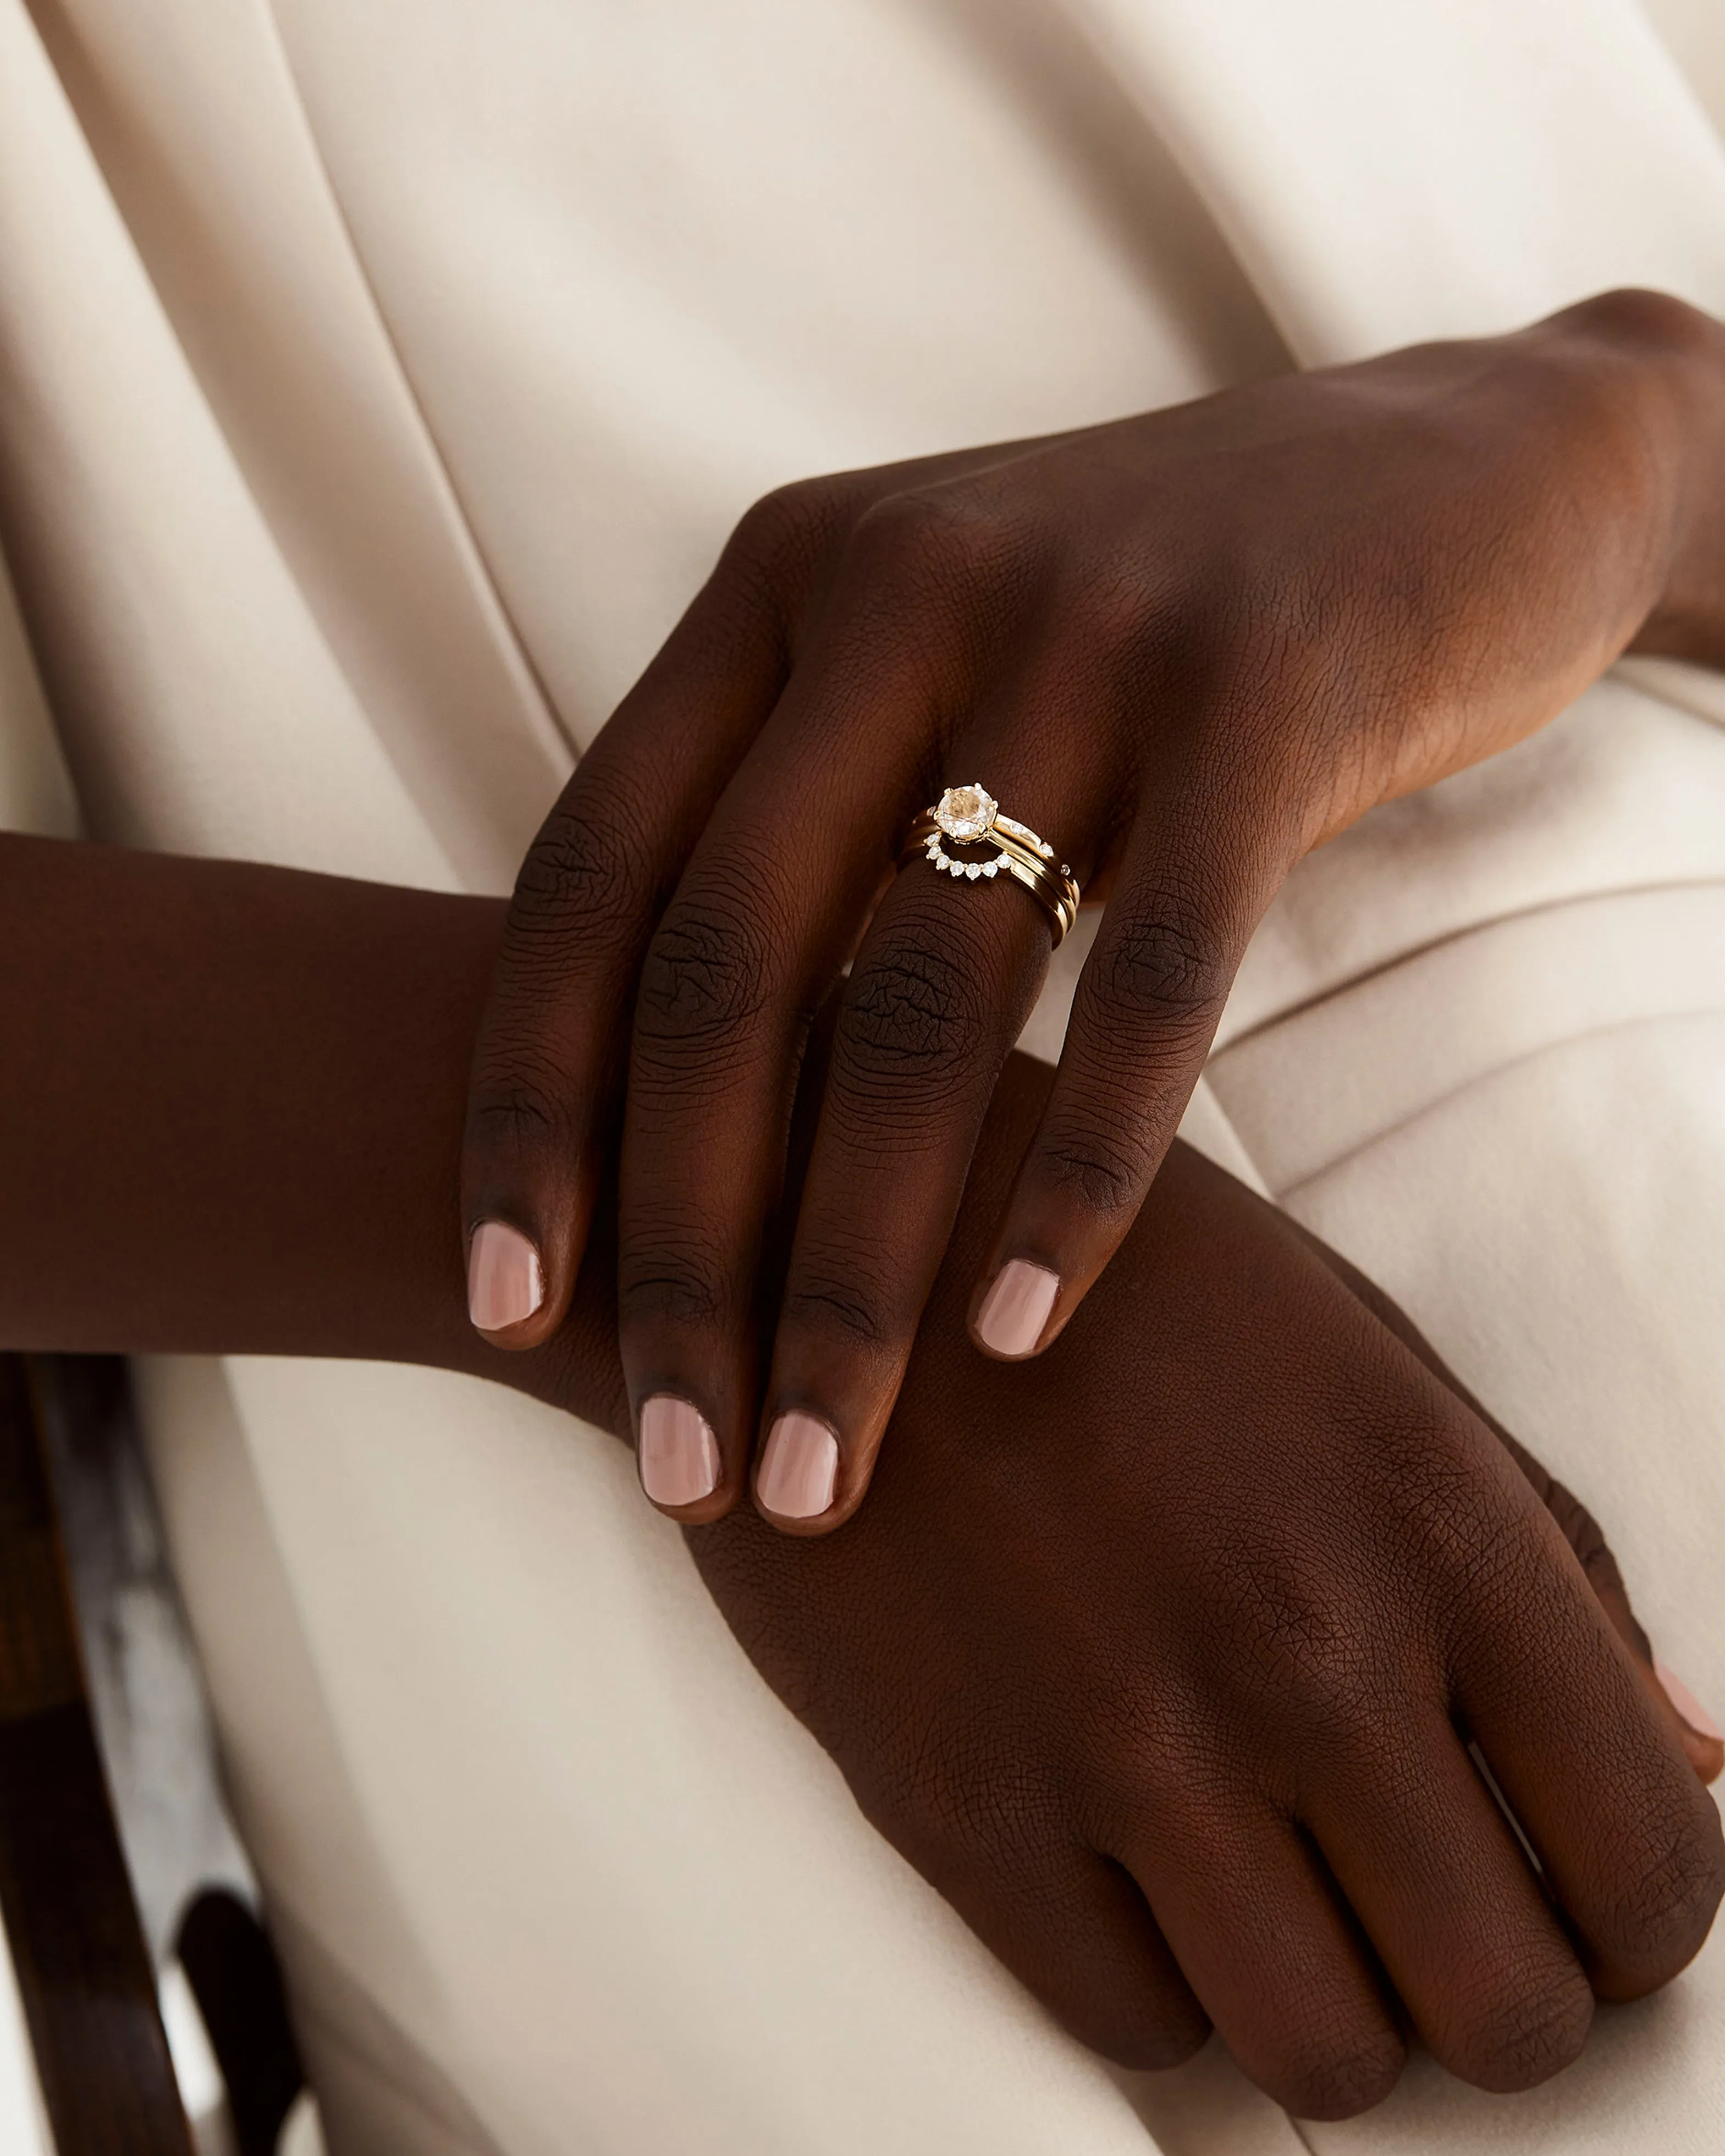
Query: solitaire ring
(969, 816)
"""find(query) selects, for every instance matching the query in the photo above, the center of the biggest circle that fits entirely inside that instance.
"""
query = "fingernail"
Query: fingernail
(799, 1468)
(1016, 1307)
(678, 1454)
(503, 1282)
(1687, 1704)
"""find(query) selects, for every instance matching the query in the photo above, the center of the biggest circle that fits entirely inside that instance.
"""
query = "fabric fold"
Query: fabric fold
(1390, 171)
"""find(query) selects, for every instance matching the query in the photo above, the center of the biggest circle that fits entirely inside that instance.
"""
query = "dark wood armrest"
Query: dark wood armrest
(83, 1969)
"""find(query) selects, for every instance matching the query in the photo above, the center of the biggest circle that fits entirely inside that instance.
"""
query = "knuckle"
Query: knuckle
(1656, 1924)
(1164, 965)
(989, 1805)
(779, 538)
(1116, 612)
(843, 1287)
(1598, 1561)
(913, 1018)
(590, 868)
(1579, 1529)
(666, 1292)
(1338, 2066)
(517, 1110)
(1324, 1659)
(705, 976)
(937, 540)
(1527, 2031)
(1465, 1552)
(1146, 2033)
(990, 1826)
(1327, 1671)
(834, 1304)
(1320, 1662)
(1102, 1155)
(1641, 316)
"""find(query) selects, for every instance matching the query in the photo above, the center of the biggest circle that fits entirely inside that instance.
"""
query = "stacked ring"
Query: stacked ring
(970, 816)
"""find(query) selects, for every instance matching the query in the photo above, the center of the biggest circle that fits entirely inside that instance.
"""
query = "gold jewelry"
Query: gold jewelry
(970, 816)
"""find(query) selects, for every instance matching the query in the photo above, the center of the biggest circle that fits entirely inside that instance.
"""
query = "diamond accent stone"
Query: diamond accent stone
(973, 870)
(966, 814)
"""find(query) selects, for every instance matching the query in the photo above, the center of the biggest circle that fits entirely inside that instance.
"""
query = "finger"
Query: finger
(1629, 1841)
(1185, 901)
(1701, 1737)
(937, 995)
(1687, 1720)
(549, 1060)
(1436, 1875)
(1273, 1957)
(772, 906)
(1077, 1933)
(1695, 1729)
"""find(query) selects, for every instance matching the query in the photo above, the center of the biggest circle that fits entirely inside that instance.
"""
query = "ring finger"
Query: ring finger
(767, 912)
(940, 991)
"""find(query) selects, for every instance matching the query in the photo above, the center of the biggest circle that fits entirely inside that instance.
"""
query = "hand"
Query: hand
(1160, 1660)
(1150, 1625)
(1187, 648)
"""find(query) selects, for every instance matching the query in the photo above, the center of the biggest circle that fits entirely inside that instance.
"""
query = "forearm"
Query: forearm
(231, 1103)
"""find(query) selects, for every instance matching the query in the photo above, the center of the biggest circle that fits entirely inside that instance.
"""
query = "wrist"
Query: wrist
(1673, 355)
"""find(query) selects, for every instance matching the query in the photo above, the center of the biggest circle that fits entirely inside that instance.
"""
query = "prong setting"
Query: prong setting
(969, 816)
(967, 813)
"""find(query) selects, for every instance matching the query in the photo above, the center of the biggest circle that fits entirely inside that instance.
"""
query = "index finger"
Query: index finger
(549, 1058)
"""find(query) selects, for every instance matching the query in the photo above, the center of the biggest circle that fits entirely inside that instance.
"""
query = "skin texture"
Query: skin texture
(1156, 1655)
(1186, 647)
(1256, 1809)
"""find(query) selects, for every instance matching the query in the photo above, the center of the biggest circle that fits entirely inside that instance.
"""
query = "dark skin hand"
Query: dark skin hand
(1156, 1657)
(1271, 1572)
(1187, 648)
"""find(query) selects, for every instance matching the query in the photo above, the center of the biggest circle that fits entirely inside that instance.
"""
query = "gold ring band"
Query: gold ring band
(971, 816)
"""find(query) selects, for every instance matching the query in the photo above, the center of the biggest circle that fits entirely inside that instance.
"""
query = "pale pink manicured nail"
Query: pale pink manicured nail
(1016, 1307)
(1687, 1704)
(503, 1282)
(678, 1454)
(799, 1467)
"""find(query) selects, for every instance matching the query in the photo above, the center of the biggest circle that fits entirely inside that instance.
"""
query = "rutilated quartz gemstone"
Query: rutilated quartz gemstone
(966, 812)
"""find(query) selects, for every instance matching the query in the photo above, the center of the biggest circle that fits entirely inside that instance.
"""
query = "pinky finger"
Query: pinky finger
(1081, 1937)
(1145, 1011)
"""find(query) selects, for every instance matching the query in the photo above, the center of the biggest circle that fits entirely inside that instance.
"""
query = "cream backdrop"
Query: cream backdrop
(376, 381)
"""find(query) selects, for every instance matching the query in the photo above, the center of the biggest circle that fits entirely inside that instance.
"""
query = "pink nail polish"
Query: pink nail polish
(678, 1454)
(799, 1468)
(1016, 1307)
(504, 1281)
(1687, 1704)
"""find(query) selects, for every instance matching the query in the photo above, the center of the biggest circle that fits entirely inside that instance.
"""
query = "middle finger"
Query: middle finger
(767, 912)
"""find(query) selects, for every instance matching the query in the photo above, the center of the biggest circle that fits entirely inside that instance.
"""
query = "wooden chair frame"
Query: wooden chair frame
(83, 1970)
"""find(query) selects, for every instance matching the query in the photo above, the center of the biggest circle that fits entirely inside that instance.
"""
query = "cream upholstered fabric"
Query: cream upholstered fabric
(376, 380)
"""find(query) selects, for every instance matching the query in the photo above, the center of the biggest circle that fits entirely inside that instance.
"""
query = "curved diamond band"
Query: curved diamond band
(971, 816)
